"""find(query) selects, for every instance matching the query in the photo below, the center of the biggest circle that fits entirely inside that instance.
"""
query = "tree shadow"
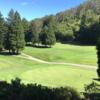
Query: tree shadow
(5, 53)
(42, 46)
(29, 45)
(38, 46)
(80, 44)
(76, 43)
(63, 42)
(96, 79)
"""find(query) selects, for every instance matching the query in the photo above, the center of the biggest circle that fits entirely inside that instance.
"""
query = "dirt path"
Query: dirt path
(88, 67)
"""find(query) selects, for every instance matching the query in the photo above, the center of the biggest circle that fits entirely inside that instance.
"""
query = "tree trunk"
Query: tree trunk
(17, 51)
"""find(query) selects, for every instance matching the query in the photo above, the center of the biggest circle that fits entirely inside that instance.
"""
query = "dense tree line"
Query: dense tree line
(16, 32)
(77, 25)
(18, 91)
(11, 34)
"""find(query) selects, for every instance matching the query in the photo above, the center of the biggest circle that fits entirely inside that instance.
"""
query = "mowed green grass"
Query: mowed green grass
(49, 75)
(65, 53)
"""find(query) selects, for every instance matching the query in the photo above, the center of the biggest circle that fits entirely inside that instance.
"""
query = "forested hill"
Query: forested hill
(93, 5)
(81, 20)
(79, 25)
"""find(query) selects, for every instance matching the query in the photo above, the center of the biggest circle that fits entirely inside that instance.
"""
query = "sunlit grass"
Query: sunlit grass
(65, 53)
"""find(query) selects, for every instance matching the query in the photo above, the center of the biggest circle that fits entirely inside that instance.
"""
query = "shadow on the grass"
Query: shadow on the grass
(5, 53)
(96, 79)
(38, 46)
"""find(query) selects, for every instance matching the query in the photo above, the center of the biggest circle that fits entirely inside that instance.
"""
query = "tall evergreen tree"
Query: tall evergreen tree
(25, 24)
(1, 32)
(9, 25)
(18, 32)
(15, 33)
(43, 35)
(48, 36)
(35, 34)
(35, 29)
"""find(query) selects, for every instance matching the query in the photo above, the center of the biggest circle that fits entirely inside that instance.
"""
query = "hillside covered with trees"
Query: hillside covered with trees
(80, 24)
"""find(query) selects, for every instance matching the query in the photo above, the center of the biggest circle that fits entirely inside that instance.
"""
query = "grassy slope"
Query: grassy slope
(49, 75)
(65, 53)
(56, 76)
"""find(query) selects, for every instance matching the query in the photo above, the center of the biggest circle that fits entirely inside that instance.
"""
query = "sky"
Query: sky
(31, 9)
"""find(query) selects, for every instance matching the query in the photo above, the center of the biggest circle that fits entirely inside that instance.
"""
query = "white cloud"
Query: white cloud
(24, 3)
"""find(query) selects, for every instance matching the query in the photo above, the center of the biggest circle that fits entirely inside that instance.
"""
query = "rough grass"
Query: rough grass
(65, 53)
